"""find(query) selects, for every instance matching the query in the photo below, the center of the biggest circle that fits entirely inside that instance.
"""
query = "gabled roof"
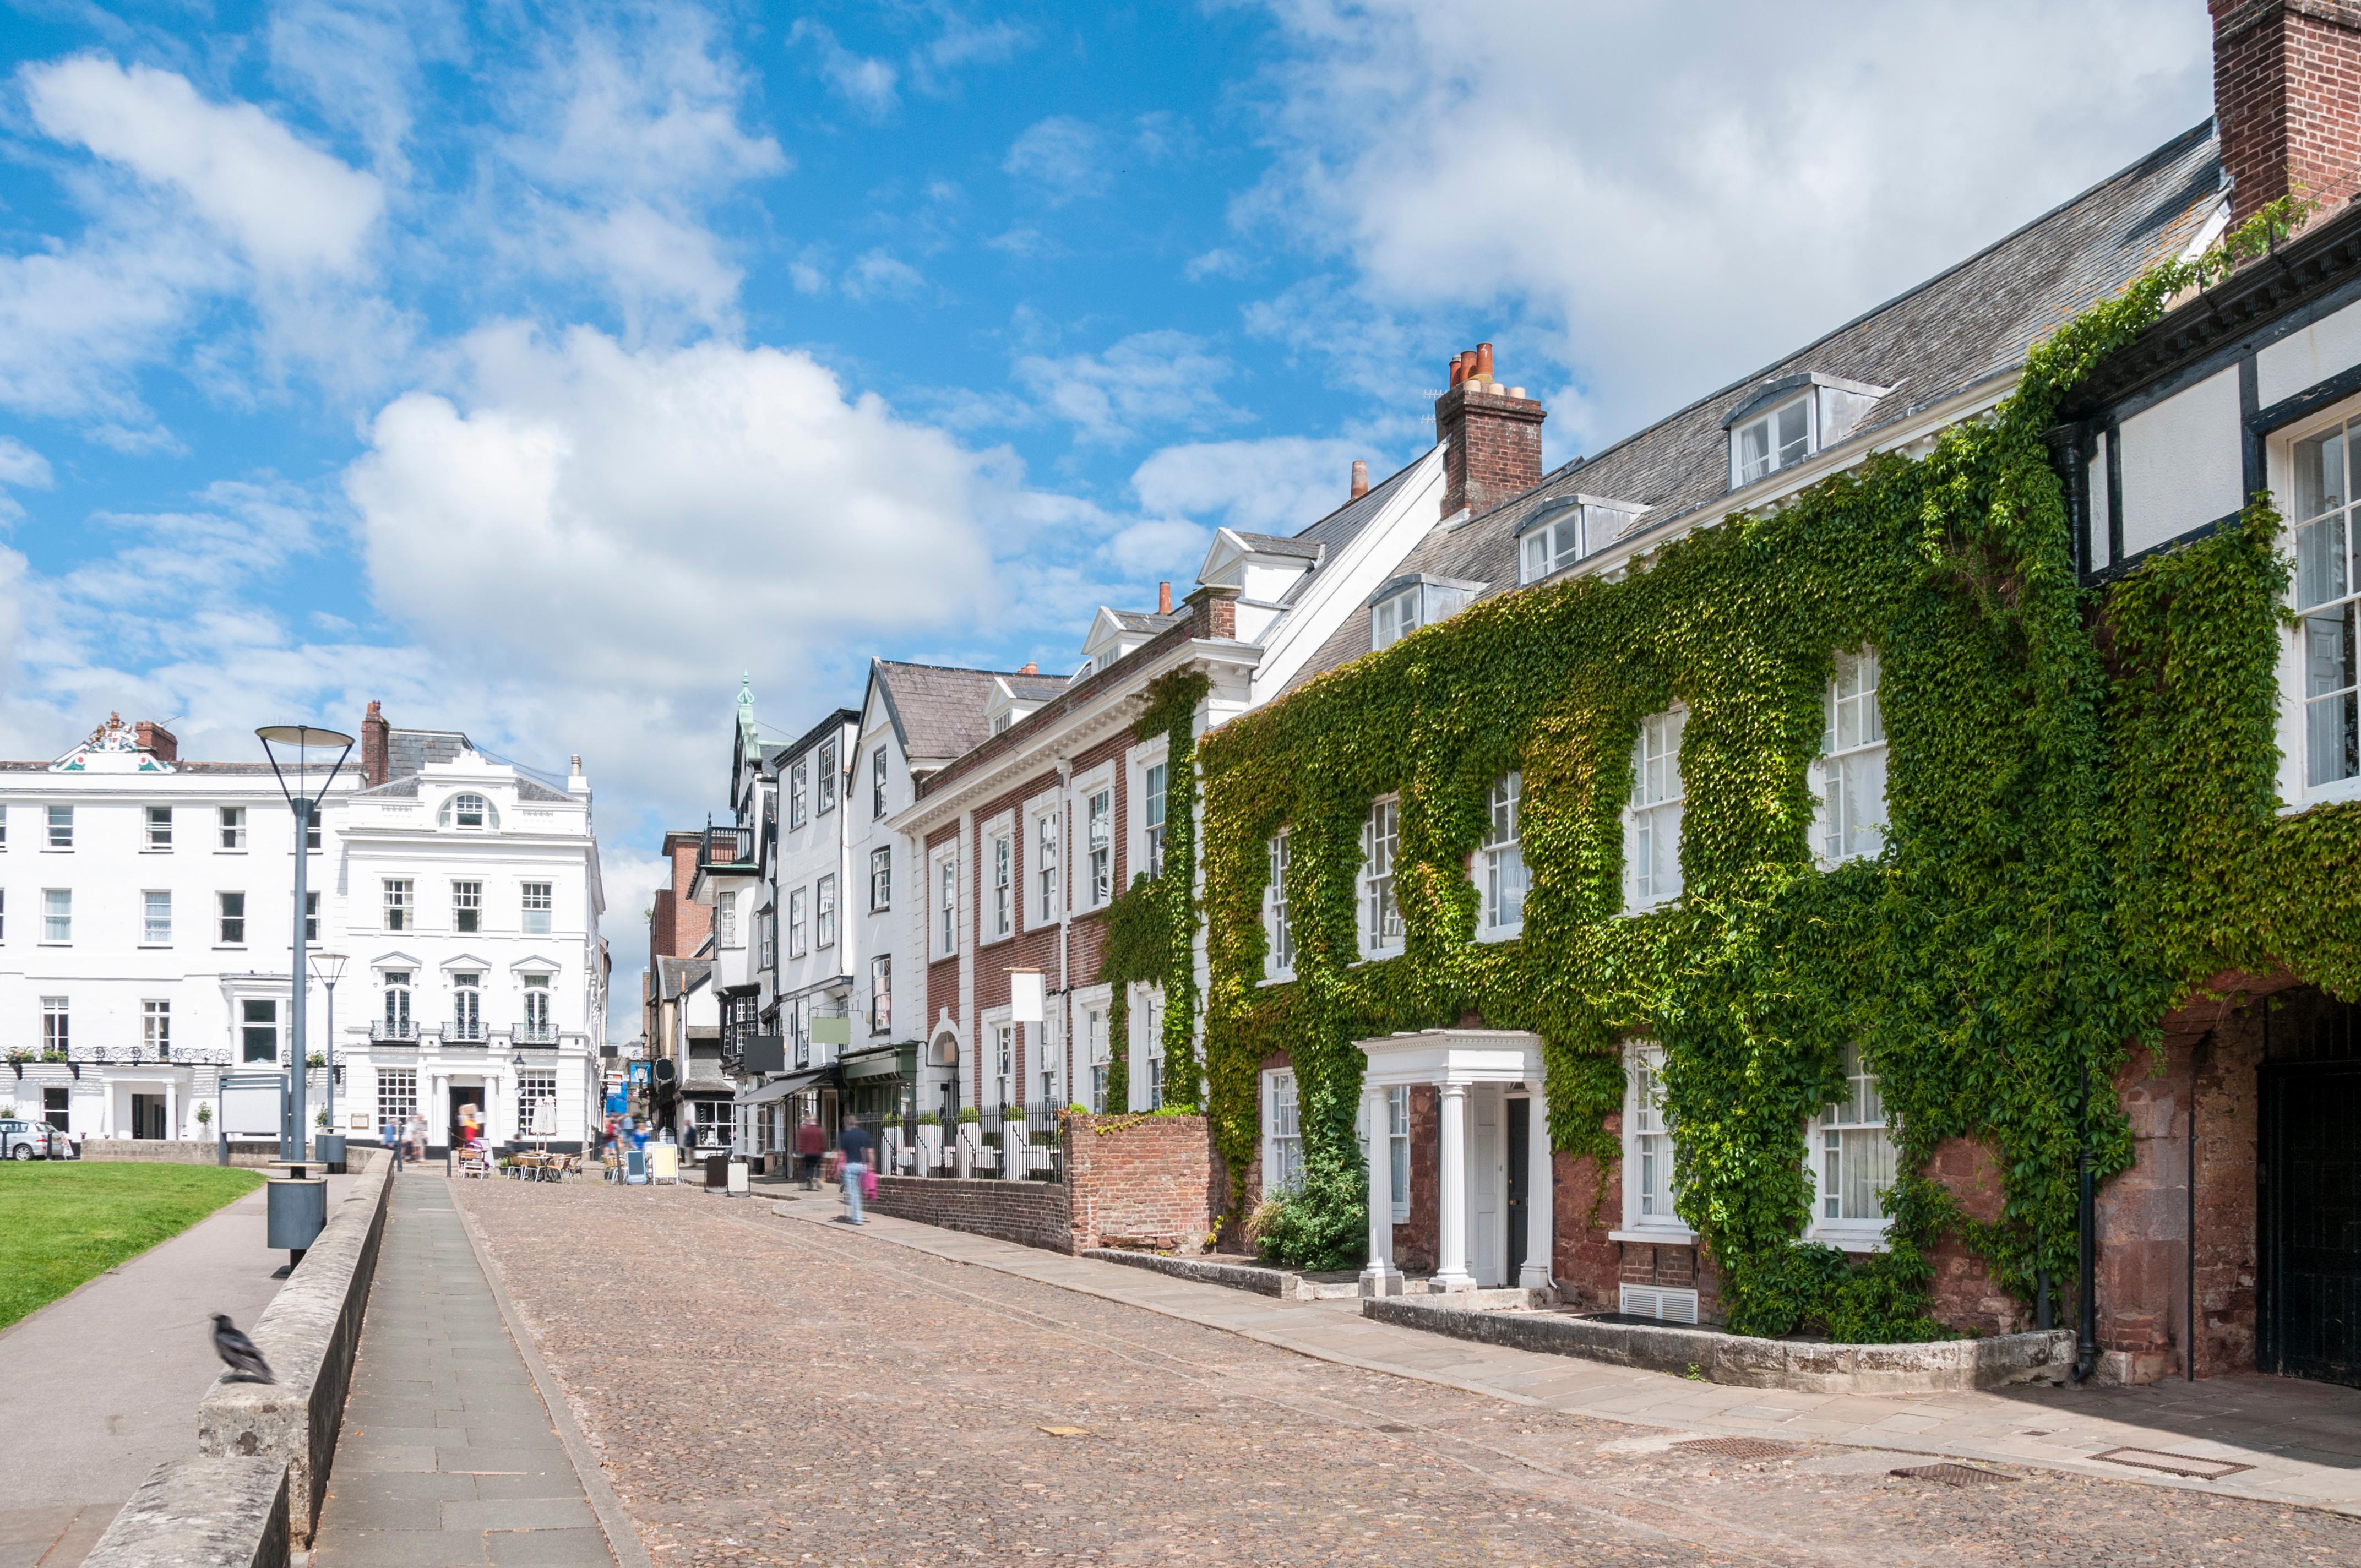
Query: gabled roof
(938, 711)
(1966, 327)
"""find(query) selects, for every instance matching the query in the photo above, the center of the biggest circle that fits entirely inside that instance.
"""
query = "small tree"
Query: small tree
(204, 1115)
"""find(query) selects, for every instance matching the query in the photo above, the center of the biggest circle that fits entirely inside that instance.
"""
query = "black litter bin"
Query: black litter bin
(716, 1173)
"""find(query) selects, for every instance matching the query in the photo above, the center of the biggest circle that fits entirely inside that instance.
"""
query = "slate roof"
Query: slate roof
(1959, 329)
(938, 710)
(1150, 622)
(409, 750)
(1275, 544)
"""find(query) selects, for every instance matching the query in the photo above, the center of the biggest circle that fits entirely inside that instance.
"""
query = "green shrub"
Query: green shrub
(1322, 1223)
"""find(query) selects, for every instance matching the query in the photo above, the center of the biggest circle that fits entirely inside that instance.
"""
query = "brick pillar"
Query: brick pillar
(2287, 99)
(1216, 608)
(377, 750)
(158, 742)
(1493, 435)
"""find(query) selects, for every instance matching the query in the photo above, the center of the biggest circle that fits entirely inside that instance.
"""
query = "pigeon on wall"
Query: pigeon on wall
(237, 1353)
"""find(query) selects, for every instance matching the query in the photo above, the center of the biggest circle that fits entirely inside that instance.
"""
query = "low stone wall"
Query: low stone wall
(1944, 1366)
(309, 1334)
(1238, 1274)
(227, 1512)
(252, 1153)
(1031, 1213)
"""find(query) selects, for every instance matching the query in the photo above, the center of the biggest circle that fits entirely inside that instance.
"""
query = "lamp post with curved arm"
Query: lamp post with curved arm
(291, 747)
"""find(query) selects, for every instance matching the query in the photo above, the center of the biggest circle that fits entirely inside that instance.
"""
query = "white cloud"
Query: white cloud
(287, 206)
(868, 82)
(1279, 484)
(1669, 199)
(1061, 157)
(633, 497)
(22, 466)
(1150, 377)
(880, 276)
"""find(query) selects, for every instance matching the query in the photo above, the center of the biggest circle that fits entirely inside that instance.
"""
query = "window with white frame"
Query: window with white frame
(57, 1025)
(1000, 858)
(1394, 617)
(397, 1096)
(538, 1025)
(827, 777)
(1094, 1042)
(160, 827)
(229, 909)
(944, 923)
(1648, 1187)
(396, 1024)
(233, 827)
(1776, 438)
(156, 1029)
(1852, 1156)
(795, 1018)
(1550, 542)
(536, 1102)
(1502, 859)
(259, 1030)
(880, 993)
(467, 1005)
(311, 917)
(156, 920)
(1277, 931)
(4, 827)
(1151, 1013)
(56, 915)
(725, 919)
(1851, 819)
(1001, 721)
(536, 906)
(1003, 1061)
(469, 813)
(797, 899)
(311, 831)
(4, 913)
(468, 906)
(1098, 838)
(877, 783)
(397, 904)
(1652, 823)
(1048, 1054)
(1151, 816)
(62, 835)
(823, 911)
(881, 877)
(1045, 867)
(2326, 586)
(1382, 921)
(1282, 1135)
(798, 793)
(1405, 604)
(1396, 1152)
(767, 923)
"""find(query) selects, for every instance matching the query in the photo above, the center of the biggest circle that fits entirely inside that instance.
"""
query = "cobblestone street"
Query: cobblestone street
(760, 1390)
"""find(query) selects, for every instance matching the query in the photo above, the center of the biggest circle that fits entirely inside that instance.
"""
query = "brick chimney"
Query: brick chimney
(1213, 611)
(377, 748)
(1360, 479)
(2287, 100)
(1494, 434)
(1164, 598)
(158, 742)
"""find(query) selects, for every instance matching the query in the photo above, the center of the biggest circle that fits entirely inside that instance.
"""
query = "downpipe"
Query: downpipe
(2086, 1329)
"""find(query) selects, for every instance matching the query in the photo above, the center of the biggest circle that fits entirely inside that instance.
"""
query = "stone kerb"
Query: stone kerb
(309, 1334)
(1941, 1367)
(252, 1153)
(225, 1513)
(1140, 1181)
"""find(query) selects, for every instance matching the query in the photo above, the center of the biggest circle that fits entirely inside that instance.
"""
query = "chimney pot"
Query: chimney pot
(1492, 449)
(1164, 598)
(1028, 668)
(1360, 479)
(1483, 361)
(1458, 369)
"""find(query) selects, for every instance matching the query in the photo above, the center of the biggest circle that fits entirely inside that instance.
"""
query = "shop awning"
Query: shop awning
(780, 1088)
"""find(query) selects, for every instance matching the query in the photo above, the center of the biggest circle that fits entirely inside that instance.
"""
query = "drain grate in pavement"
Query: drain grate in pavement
(1949, 1474)
(2190, 1465)
(1735, 1448)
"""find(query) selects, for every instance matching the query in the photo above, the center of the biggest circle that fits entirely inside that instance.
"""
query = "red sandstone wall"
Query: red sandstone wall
(1140, 1179)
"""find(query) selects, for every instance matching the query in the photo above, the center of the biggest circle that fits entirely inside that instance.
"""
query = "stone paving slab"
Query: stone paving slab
(447, 1455)
(2302, 1438)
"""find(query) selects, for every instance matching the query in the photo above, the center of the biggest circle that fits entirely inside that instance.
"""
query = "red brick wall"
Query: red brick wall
(1585, 1264)
(1033, 1214)
(1140, 1179)
(1495, 449)
(2287, 97)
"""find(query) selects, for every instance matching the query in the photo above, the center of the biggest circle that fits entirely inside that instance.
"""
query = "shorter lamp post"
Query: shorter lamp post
(328, 969)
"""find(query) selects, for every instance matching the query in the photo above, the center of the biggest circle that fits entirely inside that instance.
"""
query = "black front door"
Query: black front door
(1519, 1135)
(2309, 1316)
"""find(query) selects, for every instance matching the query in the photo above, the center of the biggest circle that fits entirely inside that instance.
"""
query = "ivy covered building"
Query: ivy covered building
(1752, 875)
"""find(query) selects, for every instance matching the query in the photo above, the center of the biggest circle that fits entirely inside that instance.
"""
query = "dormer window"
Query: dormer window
(471, 813)
(1000, 722)
(1787, 420)
(1565, 530)
(1407, 603)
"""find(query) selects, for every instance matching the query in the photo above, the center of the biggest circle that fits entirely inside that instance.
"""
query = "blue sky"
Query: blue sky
(539, 370)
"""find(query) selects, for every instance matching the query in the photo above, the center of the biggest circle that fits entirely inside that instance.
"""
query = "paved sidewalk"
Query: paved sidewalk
(2302, 1440)
(99, 1388)
(447, 1455)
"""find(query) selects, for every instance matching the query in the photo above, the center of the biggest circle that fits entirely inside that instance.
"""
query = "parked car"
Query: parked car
(31, 1140)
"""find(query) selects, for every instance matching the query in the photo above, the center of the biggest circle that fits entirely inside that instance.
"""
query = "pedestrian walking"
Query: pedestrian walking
(391, 1136)
(811, 1142)
(855, 1145)
(418, 1136)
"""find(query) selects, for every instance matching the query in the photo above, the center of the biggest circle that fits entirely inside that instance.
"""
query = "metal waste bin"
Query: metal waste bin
(329, 1149)
(716, 1173)
(298, 1212)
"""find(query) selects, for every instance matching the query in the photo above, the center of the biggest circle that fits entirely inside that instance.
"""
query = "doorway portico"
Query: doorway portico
(1491, 1154)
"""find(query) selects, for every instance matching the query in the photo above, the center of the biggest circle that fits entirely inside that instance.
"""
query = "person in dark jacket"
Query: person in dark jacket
(855, 1145)
(811, 1142)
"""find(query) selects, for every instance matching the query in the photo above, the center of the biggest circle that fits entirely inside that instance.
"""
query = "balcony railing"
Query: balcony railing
(727, 850)
(534, 1035)
(464, 1032)
(403, 1032)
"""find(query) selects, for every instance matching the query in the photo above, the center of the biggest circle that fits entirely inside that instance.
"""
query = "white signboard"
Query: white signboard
(250, 1107)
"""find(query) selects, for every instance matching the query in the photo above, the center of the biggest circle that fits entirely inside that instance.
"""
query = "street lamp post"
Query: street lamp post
(299, 741)
(328, 969)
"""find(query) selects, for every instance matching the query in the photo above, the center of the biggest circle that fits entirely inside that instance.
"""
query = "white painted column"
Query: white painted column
(1535, 1274)
(1451, 1271)
(1380, 1277)
(172, 1108)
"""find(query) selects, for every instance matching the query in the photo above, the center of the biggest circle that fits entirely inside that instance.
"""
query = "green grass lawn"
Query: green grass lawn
(63, 1222)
